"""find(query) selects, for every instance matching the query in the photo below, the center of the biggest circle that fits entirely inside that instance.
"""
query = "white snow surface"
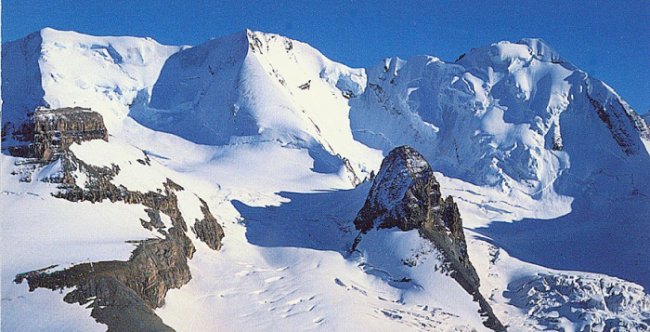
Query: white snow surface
(261, 128)
(39, 231)
(266, 88)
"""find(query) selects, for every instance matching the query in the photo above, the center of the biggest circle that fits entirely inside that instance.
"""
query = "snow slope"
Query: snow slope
(65, 69)
(274, 136)
(499, 115)
(266, 88)
(284, 266)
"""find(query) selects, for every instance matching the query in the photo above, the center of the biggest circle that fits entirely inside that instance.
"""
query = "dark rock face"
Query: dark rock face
(117, 306)
(406, 195)
(208, 229)
(48, 133)
(112, 302)
(125, 292)
(622, 122)
(619, 134)
(155, 266)
(401, 194)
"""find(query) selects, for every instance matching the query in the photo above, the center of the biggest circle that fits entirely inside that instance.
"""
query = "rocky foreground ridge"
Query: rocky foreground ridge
(122, 294)
(48, 133)
(406, 195)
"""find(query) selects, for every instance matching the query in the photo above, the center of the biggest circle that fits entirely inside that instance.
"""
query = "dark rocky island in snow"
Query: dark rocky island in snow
(406, 195)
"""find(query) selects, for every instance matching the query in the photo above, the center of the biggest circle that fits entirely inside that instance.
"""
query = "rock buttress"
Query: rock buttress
(405, 194)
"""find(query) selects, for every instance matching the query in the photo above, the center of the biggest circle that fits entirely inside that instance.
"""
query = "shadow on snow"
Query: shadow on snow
(611, 239)
(321, 220)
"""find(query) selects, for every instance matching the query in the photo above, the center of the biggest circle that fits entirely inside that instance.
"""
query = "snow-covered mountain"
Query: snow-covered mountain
(59, 69)
(113, 142)
(256, 87)
(510, 114)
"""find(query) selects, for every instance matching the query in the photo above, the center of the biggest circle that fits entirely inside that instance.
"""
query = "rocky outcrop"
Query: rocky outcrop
(406, 195)
(49, 132)
(623, 123)
(116, 305)
(208, 229)
(620, 135)
(155, 266)
(123, 293)
(112, 302)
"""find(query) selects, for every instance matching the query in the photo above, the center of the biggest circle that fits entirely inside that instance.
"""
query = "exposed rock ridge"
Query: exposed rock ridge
(406, 195)
(618, 118)
(123, 293)
(208, 229)
(49, 132)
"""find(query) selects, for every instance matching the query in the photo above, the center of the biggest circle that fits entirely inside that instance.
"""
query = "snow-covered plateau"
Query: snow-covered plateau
(215, 188)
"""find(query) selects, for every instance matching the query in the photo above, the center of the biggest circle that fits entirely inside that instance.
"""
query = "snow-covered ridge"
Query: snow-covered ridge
(291, 94)
(503, 115)
(508, 53)
(67, 69)
(266, 88)
(492, 117)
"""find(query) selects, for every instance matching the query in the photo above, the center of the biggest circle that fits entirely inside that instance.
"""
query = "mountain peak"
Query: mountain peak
(49, 34)
(405, 194)
(541, 49)
(507, 53)
(404, 179)
(50, 30)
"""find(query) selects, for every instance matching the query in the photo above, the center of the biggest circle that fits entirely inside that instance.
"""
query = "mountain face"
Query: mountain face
(502, 115)
(520, 118)
(66, 69)
(229, 180)
(266, 88)
(406, 195)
